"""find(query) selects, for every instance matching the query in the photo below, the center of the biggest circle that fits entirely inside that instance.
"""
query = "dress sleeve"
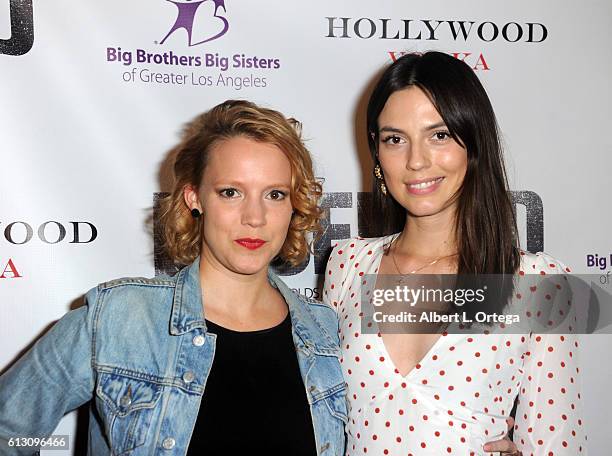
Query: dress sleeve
(549, 412)
(54, 377)
(334, 277)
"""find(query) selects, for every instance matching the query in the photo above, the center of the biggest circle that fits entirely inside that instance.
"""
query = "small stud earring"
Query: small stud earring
(195, 213)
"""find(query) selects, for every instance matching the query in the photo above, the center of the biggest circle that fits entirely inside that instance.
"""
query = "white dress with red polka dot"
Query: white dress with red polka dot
(458, 396)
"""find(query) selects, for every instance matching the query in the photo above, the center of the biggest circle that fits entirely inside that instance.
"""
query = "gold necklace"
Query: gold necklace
(419, 268)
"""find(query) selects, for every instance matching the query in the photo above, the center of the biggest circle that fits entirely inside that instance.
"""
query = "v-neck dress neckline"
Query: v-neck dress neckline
(384, 352)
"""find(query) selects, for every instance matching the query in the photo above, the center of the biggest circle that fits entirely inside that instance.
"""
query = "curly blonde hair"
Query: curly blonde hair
(232, 118)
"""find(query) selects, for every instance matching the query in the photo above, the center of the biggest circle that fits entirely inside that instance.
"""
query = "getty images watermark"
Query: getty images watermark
(519, 304)
(419, 299)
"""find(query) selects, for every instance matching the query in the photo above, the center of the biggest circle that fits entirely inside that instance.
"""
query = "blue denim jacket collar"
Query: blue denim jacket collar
(188, 314)
(305, 325)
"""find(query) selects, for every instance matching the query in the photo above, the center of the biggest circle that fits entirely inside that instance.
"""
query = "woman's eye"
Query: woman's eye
(441, 135)
(229, 192)
(393, 139)
(277, 195)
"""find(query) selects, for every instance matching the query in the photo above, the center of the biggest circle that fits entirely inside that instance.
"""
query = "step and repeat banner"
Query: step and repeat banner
(94, 95)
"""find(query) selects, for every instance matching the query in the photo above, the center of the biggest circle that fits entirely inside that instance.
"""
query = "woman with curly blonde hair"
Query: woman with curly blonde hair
(229, 120)
(222, 358)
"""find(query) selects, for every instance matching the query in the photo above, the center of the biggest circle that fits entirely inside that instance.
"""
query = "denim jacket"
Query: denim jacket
(140, 350)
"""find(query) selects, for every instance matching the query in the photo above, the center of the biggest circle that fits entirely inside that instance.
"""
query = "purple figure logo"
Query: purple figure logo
(186, 16)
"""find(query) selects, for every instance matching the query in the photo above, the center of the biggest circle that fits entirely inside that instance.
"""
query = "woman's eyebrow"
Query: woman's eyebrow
(391, 130)
(435, 126)
(221, 182)
(399, 130)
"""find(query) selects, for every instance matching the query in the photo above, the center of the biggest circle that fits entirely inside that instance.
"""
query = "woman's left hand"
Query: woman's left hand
(504, 446)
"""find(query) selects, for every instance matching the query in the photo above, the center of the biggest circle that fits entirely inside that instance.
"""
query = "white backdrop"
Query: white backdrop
(85, 137)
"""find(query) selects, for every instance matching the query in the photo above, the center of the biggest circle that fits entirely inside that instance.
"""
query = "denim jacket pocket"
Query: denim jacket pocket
(326, 384)
(330, 413)
(127, 406)
(336, 403)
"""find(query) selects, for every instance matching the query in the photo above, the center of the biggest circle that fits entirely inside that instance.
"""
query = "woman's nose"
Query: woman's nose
(418, 157)
(254, 213)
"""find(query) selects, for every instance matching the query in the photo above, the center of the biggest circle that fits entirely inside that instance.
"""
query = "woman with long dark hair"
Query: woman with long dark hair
(441, 197)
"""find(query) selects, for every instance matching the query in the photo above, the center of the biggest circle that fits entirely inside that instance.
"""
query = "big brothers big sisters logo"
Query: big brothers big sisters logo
(195, 22)
(209, 30)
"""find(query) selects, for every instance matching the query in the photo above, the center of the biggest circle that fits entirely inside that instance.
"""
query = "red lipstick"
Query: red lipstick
(250, 243)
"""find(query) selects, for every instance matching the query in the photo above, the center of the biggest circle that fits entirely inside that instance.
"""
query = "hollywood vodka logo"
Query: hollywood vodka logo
(22, 29)
(186, 17)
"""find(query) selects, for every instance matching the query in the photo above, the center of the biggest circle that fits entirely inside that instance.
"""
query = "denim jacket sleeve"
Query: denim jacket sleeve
(54, 377)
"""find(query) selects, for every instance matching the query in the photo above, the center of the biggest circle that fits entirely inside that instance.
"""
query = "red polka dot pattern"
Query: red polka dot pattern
(459, 395)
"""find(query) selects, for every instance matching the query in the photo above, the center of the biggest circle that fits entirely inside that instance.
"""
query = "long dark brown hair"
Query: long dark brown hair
(485, 223)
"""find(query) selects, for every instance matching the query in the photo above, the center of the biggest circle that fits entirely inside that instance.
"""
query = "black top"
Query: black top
(255, 400)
